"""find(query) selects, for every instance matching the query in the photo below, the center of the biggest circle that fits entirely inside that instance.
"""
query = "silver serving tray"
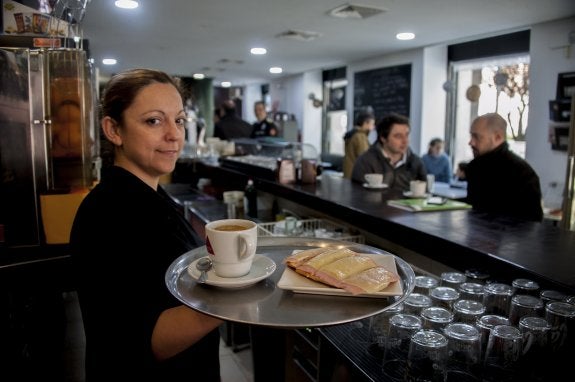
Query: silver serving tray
(266, 304)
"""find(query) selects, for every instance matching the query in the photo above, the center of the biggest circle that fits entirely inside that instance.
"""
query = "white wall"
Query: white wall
(433, 104)
(252, 93)
(312, 116)
(547, 61)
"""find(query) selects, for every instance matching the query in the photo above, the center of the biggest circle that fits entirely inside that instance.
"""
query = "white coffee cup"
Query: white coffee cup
(417, 187)
(374, 180)
(231, 244)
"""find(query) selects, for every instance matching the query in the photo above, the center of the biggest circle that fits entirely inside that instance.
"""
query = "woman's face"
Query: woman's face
(152, 134)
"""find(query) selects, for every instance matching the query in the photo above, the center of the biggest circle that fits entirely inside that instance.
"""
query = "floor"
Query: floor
(235, 366)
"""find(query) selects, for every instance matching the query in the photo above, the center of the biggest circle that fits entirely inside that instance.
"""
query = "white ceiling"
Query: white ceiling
(214, 36)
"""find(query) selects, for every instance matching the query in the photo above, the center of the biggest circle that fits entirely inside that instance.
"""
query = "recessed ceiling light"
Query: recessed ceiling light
(258, 51)
(405, 36)
(198, 76)
(126, 4)
(109, 61)
(226, 84)
(276, 70)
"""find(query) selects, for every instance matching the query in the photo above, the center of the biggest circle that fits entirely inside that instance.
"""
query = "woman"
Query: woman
(125, 235)
(356, 141)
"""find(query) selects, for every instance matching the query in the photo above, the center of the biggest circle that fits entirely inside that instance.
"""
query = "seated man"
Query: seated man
(391, 156)
(499, 181)
(437, 162)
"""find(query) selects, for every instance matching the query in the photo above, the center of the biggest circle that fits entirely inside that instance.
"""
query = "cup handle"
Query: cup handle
(247, 246)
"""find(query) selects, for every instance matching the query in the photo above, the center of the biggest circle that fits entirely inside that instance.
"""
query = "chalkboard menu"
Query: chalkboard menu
(385, 90)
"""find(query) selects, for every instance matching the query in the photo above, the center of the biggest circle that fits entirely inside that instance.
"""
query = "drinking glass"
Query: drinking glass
(485, 324)
(525, 286)
(548, 295)
(452, 279)
(524, 305)
(401, 328)
(535, 358)
(502, 355)
(423, 284)
(496, 298)
(467, 311)
(444, 296)
(561, 317)
(427, 356)
(415, 303)
(463, 357)
(471, 291)
(477, 276)
(436, 318)
(378, 328)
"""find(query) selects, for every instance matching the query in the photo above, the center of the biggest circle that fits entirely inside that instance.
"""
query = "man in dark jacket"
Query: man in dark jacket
(499, 181)
(230, 126)
(391, 156)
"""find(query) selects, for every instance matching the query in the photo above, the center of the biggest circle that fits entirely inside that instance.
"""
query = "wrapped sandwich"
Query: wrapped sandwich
(341, 268)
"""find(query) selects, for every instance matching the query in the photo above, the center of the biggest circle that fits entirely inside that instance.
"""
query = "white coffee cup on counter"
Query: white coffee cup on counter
(374, 180)
(417, 187)
(231, 244)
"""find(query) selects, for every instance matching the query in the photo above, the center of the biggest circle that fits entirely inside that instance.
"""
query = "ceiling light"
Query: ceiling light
(258, 51)
(109, 61)
(198, 76)
(126, 4)
(226, 84)
(405, 36)
(276, 70)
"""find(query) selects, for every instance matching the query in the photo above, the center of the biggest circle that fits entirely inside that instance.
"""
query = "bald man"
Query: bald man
(498, 181)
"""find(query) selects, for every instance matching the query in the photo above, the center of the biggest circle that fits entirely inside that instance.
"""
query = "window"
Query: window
(487, 76)
(496, 85)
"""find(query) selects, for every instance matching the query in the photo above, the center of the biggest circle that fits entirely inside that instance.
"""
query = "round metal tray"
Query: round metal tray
(266, 304)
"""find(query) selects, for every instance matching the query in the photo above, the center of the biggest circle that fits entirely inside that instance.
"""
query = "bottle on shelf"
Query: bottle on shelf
(251, 199)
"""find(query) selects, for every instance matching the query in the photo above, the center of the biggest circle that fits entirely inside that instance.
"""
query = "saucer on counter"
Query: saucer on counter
(410, 194)
(376, 187)
(262, 267)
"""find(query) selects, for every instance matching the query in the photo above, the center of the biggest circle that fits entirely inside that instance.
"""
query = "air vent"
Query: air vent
(354, 11)
(299, 35)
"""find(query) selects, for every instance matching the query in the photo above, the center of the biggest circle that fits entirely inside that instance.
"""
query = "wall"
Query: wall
(433, 104)
(548, 59)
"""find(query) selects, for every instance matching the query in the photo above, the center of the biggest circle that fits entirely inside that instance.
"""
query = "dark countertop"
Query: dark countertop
(461, 239)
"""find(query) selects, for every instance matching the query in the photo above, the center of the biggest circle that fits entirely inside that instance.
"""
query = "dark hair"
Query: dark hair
(384, 125)
(362, 117)
(123, 88)
(435, 141)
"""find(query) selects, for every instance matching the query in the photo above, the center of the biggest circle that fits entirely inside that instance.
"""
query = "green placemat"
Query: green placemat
(420, 205)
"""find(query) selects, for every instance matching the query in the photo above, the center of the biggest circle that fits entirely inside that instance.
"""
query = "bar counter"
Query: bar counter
(461, 239)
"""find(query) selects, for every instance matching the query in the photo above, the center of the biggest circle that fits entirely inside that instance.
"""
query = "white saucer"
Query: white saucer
(378, 187)
(409, 194)
(262, 267)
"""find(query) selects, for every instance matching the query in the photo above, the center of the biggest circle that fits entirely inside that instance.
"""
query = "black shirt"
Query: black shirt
(124, 237)
(501, 182)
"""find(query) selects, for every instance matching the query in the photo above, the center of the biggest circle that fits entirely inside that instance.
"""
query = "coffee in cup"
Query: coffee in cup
(231, 244)
(417, 187)
(374, 180)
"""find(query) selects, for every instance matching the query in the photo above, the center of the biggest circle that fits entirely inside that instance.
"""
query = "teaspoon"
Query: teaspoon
(203, 265)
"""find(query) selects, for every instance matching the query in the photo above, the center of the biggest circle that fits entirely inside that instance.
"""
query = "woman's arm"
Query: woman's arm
(179, 328)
